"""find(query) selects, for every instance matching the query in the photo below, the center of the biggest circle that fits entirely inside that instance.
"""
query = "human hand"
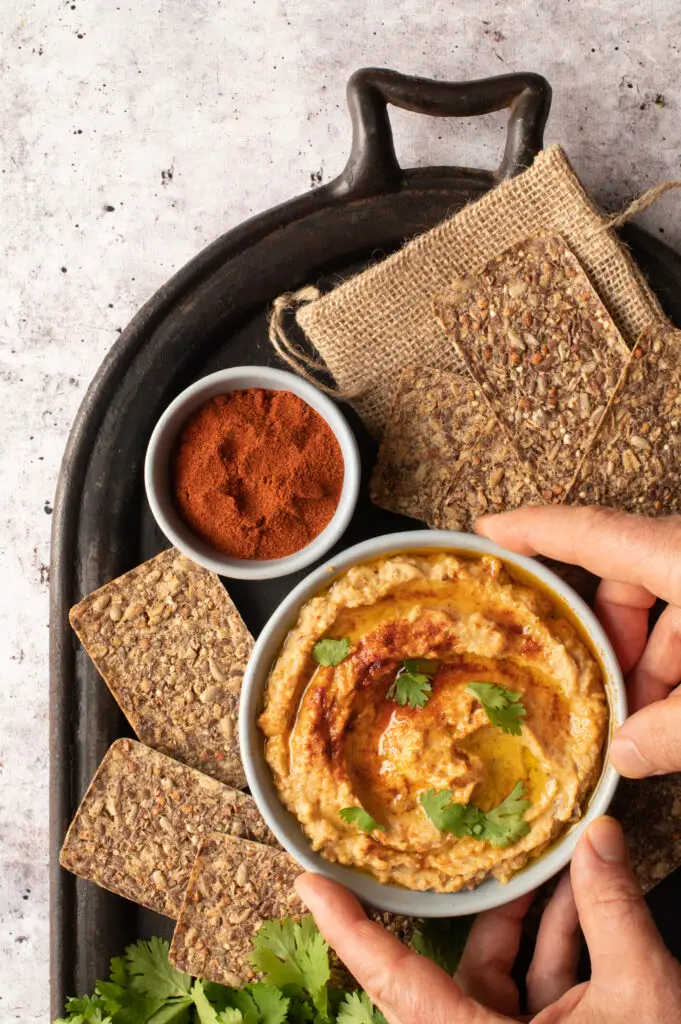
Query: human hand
(639, 560)
(633, 976)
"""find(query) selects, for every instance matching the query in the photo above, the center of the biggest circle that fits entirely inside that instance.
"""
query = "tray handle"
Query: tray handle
(373, 167)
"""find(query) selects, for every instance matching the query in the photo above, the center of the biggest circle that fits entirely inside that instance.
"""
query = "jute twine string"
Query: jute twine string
(638, 205)
(297, 359)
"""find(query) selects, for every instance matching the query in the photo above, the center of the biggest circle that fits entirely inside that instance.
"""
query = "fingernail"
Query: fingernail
(607, 841)
(628, 759)
(299, 886)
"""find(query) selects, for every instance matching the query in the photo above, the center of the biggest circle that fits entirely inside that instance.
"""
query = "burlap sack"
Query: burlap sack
(372, 326)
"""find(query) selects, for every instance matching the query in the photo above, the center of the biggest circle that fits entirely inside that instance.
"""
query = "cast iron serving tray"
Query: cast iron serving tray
(213, 314)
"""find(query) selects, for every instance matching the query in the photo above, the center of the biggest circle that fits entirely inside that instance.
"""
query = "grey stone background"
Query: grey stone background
(131, 135)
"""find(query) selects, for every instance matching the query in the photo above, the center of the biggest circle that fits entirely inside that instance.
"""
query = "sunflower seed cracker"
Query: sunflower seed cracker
(444, 458)
(235, 886)
(140, 824)
(634, 461)
(535, 336)
(172, 649)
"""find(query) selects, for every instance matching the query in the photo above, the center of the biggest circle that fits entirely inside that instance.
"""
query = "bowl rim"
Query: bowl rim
(163, 437)
(285, 826)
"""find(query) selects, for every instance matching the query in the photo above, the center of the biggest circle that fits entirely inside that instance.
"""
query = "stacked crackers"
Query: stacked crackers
(176, 834)
(549, 404)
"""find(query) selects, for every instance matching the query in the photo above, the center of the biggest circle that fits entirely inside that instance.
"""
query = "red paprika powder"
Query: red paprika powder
(257, 473)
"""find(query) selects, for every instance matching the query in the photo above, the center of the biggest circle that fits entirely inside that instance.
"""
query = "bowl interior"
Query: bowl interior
(286, 827)
(162, 442)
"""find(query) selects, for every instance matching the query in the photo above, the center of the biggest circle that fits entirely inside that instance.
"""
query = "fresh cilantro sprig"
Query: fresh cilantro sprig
(298, 987)
(442, 939)
(361, 818)
(503, 707)
(412, 684)
(501, 826)
(330, 653)
(296, 957)
(357, 1008)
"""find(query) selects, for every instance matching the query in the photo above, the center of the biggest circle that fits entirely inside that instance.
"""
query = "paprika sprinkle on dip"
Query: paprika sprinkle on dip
(256, 473)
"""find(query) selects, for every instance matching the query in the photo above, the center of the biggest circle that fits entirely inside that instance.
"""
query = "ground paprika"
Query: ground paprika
(257, 473)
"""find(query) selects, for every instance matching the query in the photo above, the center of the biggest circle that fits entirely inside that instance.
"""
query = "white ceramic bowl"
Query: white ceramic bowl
(157, 472)
(285, 826)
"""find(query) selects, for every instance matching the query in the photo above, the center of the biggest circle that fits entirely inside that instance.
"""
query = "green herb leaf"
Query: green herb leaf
(412, 683)
(85, 1010)
(271, 1004)
(442, 940)
(118, 972)
(458, 819)
(330, 653)
(356, 1008)
(175, 1012)
(152, 974)
(230, 1015)
(288, 953)
(361, 818)
(501, 826)
(206, 1014)
(502, 706)
(505, 824)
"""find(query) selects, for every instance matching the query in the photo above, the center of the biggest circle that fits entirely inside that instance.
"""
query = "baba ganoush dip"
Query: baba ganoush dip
(337, 736)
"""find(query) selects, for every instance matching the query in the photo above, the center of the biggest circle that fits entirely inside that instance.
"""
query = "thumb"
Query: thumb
(619, 931)
(649, 743)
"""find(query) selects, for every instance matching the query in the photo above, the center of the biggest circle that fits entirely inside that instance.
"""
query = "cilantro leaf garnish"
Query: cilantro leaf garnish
(505, 824)
(357, 1008)
(205, 1011)
(412, 683)
(458, 819)
(502, 706)
(294, 954)
(501, 826)
(361, 818)
(442, 939)
(330, 653)
(152, 974)
(300, 987)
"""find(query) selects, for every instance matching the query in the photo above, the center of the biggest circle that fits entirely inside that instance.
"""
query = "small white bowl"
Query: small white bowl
(287, 829)
(157, 472)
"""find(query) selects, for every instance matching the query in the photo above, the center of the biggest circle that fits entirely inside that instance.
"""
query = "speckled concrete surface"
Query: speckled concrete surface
(131, 136)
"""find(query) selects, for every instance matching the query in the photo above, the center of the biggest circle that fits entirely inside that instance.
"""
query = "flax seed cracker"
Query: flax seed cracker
(172, 649)
(444, 458)
(536, 337)
(635, 459)
(140, 824)
(235, 886)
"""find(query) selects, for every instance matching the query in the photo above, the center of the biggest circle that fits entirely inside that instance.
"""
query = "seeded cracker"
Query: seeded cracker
(172, 649)
(649, 811)
(235, 886)
(535, 336)
(140, 824)
(444, 458)
(635, 459)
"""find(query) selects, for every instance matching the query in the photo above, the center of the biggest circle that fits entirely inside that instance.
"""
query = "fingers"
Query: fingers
(613, 545)
(659, 668)
(553, 970)
(408, 988)
(622, 609)
(649, 743)
(623, 942)
(489, 955)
